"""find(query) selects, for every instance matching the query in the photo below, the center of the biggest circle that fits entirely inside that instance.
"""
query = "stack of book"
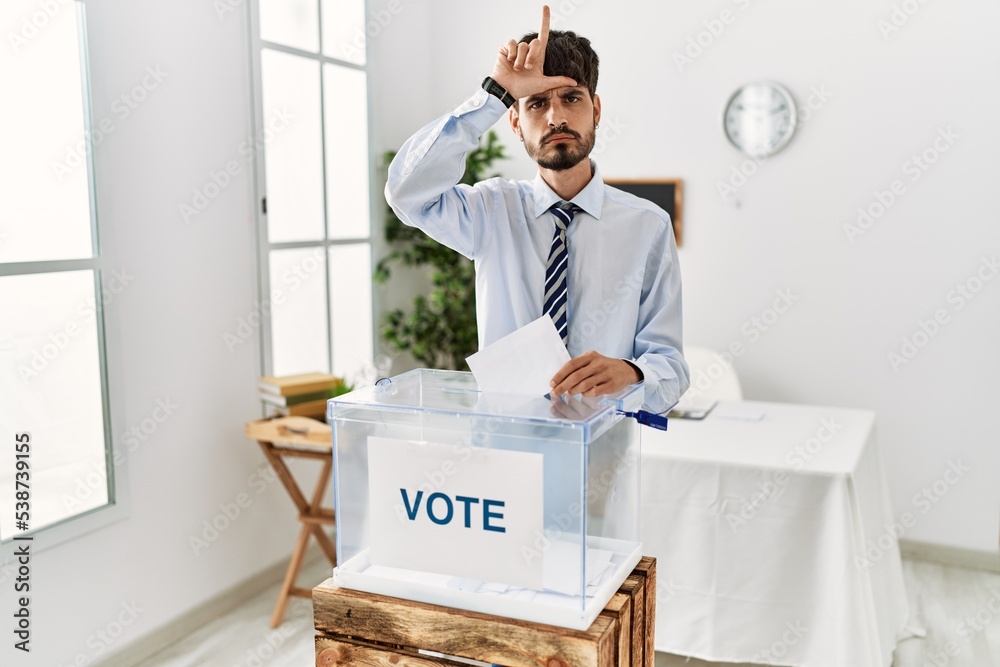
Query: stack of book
(300, 395)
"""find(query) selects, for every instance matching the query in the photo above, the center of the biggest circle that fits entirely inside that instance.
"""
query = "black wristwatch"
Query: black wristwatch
(495, 89)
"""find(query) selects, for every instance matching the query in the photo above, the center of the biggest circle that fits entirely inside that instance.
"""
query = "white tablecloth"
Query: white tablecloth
(763, 534)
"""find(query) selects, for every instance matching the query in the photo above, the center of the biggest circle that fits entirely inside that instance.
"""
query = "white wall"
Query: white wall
(784, 229)
(192, 281)
(165, 340)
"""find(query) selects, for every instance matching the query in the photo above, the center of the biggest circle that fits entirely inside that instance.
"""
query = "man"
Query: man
(603, 265)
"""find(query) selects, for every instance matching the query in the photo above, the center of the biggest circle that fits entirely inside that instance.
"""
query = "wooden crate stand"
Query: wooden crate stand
(362, 629)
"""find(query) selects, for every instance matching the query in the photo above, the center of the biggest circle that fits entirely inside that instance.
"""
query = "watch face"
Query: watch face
(759, 118)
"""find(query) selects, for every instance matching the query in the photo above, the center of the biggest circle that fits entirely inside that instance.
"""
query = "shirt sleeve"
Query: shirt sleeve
(659, 330)
(423, 186)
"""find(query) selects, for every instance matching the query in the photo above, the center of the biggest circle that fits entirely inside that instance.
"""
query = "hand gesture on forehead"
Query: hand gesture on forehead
(519, 66)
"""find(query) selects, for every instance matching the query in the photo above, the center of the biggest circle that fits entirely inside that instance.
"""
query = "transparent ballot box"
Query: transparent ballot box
(509, 505)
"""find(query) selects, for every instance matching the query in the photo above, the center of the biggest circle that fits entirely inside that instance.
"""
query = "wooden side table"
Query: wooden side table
(362, 629)
(305, 438)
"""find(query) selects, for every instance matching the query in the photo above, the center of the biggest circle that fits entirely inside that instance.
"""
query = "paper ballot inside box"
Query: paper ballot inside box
(466, 512)
(562, 576)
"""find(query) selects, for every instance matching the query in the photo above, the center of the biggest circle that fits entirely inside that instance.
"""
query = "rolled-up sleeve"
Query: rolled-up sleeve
(423, 186)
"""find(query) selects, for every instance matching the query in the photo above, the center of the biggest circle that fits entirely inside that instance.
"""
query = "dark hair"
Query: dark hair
(569, 54)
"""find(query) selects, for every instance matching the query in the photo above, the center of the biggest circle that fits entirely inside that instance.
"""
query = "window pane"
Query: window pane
(293, 162)
(346, 110)
(44, 184)
(351, 305)
(298, 320)
(290, 22)
(51, 388)
(344, 30)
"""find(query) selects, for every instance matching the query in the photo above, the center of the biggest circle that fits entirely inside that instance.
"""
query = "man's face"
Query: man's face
(557, 126)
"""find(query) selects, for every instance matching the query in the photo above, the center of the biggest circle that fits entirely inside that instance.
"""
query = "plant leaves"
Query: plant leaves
(440, 330)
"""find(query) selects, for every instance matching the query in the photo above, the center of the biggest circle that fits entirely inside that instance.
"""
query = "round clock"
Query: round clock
(759, 118)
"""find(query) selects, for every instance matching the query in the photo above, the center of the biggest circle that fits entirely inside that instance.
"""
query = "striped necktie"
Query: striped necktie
(557, 269)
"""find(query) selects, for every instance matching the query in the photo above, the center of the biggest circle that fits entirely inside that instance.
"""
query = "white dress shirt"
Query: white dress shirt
(624, 279)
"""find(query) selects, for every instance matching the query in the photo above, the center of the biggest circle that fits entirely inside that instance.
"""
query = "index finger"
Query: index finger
(568, 369)
(543, 34)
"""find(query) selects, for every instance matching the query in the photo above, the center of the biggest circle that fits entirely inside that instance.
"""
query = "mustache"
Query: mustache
(561, 130)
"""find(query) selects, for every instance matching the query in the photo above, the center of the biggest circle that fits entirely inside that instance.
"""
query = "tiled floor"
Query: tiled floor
(942, 598)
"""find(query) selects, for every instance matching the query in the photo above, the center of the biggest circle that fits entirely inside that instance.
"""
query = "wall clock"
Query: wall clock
(759, 118)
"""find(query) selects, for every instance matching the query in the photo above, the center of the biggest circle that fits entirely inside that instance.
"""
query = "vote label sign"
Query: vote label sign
(463, 511)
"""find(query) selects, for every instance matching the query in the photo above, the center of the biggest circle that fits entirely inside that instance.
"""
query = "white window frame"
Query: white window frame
(264, 245)
(117, 508)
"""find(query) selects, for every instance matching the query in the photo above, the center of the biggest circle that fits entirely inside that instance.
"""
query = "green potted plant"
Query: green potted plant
(440, 329)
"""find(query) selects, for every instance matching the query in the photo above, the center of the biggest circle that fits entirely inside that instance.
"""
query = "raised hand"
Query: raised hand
(519, 66)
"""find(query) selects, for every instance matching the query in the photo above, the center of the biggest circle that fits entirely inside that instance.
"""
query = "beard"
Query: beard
(561, 156)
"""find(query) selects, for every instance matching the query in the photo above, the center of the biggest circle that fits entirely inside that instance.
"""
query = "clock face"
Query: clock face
(759, 118)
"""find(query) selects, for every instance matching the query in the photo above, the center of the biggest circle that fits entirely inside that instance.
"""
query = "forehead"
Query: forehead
(561, 91)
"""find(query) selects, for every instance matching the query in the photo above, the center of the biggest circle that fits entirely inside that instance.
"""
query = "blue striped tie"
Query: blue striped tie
(556, 270)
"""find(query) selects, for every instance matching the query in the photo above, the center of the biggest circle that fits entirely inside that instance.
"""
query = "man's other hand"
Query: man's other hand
(593, 374)
(519, 66)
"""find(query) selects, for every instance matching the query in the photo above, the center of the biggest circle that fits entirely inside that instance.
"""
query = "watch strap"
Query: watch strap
(498, 91)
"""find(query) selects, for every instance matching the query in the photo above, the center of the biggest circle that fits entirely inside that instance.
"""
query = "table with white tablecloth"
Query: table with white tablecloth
(774, 537)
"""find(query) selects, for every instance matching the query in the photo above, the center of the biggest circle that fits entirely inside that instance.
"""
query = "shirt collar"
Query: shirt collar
(590, 199)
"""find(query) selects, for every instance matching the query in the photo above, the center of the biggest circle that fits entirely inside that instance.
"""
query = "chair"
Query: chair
(712, 377)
